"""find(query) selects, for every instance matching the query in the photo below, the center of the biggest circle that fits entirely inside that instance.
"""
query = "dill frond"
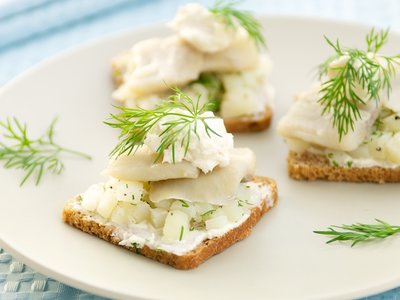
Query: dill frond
(33, 156)
(339, 94)
(136, 123)
(231, 15)
(360, 232)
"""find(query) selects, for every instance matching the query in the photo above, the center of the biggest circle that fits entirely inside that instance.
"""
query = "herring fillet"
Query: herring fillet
(156, 71)
(141, 167)
(216, 187)
(305, 122)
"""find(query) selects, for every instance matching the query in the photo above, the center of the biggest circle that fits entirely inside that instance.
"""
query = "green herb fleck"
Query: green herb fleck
(197, 224)
(136, 247)
(181, 233)
(244, 202)
(208, 213)
(184, 203)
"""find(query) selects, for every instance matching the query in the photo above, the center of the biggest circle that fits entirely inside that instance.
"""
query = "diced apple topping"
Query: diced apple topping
(158, 216)
(393, 149)
(127, 203)
(216, 223)
(107, 204)
(176, 226)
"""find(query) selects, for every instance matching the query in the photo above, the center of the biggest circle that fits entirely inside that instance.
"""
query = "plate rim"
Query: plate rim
(379, 287)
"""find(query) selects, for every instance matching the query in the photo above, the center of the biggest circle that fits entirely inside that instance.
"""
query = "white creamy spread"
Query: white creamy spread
(202, 43)
(344, 159)
(375, 140)
(140, 234)
(206, 150)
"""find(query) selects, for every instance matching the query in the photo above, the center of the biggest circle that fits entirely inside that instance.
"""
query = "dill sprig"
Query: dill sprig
(136, 123)
(34, 156)
(232, 16)
(360, 232)
(339, 94)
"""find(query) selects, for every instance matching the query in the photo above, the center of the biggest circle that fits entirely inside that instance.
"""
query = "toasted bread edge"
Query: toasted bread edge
(309, 166)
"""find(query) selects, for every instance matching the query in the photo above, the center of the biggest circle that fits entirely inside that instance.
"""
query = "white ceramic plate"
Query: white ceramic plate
(282, 259)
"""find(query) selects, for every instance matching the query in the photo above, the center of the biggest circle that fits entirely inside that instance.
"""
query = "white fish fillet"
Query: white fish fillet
(160, 63)
(305, 122)
(216, 187)
(140, 167)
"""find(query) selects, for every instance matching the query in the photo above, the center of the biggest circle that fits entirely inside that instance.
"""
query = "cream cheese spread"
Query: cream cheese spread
(137, 235)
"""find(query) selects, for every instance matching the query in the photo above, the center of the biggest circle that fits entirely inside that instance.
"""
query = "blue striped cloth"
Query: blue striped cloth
(32, 30)
(32, 20)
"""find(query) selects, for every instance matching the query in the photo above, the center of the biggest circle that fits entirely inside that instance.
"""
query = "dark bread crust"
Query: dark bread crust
(309, 166)
(253, 123)
(191, 259)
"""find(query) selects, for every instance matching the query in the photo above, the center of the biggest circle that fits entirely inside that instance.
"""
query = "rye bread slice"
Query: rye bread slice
(192, 259)
(309, 166)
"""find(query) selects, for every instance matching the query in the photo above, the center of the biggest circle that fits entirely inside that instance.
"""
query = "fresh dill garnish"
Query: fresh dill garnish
(136, 123)
(232, 16)
(360, 232)
(339, 94)
(34, 156)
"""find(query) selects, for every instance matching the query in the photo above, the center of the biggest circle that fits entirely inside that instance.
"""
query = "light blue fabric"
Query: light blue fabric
(47, 17)
(32, 30)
